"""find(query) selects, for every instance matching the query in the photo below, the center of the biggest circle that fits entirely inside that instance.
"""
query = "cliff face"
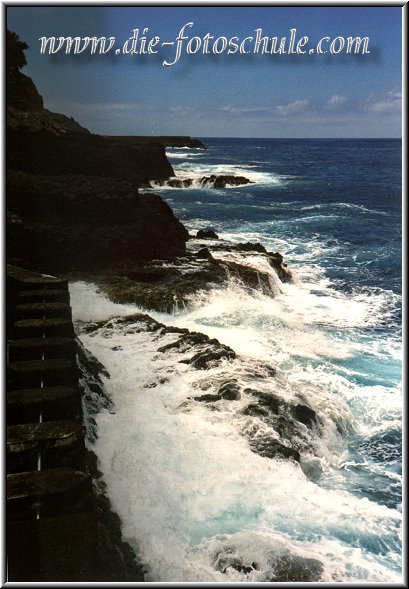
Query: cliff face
(72, 197)
(43, 152)
(42, 142)
(64, 223)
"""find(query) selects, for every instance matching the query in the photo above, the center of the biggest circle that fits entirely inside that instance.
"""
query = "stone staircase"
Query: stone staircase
(52, 529)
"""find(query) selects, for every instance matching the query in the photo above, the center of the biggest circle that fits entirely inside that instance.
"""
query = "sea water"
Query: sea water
(194, 500)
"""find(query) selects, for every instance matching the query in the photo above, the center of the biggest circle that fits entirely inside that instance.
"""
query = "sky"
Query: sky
(220, 95)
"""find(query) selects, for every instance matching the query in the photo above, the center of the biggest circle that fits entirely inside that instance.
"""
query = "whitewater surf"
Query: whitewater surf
(193, 449)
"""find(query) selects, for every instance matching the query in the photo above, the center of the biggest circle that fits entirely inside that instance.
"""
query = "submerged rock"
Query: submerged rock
(206, 234)
(212, 181)
(204, 254)
(265, 399)
(250, 247)
(229, 390)
(272, 448)
(210, 353)
(289, 567)
(305, 415)
(208, 398)
(211, 356)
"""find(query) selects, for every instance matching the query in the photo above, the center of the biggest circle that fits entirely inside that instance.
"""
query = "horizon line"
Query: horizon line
(242, 137)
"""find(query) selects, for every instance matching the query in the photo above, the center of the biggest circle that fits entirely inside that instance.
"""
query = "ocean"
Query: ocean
(196, 503)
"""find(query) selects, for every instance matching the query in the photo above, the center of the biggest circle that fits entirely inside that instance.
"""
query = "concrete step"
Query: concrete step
(54, 549)
(38, 373)
(26, 328)
(42, 310)
(51, 444)
(47, 492)
(42, 282)
(42, 347)
(44, 296)
(54, 403)
(32, 280)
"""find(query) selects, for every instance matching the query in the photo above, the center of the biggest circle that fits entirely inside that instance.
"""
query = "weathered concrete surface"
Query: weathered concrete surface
(43, 327)
(59, 402)
(55, 491)
(42, 310)
(61, 443)
(38, 348)
(33, 280)
(44, 295)
(31, 373)
(51, 434)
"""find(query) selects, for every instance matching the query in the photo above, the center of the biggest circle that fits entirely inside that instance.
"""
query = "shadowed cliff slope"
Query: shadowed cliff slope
(72, 197)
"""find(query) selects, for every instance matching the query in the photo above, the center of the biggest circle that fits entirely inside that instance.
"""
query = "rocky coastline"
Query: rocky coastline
(75, 210)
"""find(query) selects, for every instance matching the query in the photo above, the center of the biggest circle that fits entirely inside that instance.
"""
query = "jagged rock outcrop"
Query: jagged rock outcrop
(213, 181)
(206, 234)
(170, 287)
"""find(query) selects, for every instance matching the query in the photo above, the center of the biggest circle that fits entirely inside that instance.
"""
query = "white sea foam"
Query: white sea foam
(90, 305)
(188, 490)
(183, 154)
(341, 205)
(196, 171)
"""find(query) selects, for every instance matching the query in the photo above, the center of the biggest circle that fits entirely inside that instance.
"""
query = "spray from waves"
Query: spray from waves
(187, 148)
(195, 502)
(196, 173)
(184, 155)
(342, 205)
(318, 339)
(314, 302)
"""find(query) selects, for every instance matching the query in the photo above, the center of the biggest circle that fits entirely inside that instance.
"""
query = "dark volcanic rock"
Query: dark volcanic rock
(83, 222)
(250, 247)
(283, 566)
(271, 448)
(284, 418)
(255, 410)
(214, 181)
(265, 400)
(42, 142)
(169, 287)
(210, 351)
(305, 414)
(229, 390)
(206, 234)
(208, 398)
(67, 124)
(44, 153)
(210, 356)
(289, 567)
(178, 183)
(204, 254)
